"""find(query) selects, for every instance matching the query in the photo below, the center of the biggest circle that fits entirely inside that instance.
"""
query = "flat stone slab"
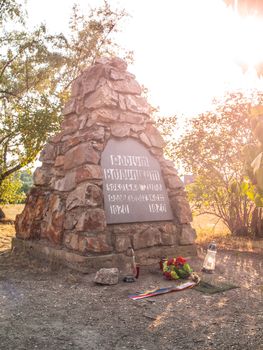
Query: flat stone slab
(90, 264)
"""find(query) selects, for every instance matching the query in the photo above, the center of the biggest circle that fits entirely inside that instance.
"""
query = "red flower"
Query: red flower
(167, 275)
(180, 261)
(171, 261)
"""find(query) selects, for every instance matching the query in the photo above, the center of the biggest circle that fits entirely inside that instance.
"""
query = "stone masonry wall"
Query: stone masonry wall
(65, 206)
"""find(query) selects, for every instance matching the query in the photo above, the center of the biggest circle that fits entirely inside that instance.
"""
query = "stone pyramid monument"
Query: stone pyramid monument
(104, 185)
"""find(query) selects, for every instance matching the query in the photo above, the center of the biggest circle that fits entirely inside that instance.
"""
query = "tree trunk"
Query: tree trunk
(257, 223)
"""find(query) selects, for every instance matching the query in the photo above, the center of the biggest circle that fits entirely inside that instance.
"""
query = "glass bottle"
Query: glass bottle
(210, 259)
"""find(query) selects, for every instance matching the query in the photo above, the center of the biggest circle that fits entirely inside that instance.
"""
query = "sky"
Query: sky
(186, 52)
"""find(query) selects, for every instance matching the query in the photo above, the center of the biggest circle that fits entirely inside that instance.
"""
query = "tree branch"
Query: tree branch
(5, 137)
(10, 171)
(7, 64)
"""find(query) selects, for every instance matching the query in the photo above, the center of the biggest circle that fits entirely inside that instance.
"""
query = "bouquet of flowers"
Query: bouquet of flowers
(175, 268)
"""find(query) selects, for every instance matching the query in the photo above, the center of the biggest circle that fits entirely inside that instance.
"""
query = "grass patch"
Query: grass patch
(208, 229)
(11, 210)
(7, 231)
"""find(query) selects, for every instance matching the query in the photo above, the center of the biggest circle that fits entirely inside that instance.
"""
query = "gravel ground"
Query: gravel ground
(47, 307)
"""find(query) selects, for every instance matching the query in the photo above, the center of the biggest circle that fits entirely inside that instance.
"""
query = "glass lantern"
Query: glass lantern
(210, 259)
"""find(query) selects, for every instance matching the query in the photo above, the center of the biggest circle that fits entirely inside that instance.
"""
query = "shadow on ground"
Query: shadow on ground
(48, 307)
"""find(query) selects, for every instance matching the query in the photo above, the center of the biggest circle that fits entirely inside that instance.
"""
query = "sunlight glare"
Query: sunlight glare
(185, 52)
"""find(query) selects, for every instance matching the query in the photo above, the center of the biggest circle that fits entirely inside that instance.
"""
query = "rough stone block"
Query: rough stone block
(137, 104)
(41, 177)
(70, 124)
(67, 183)
(120, 130)
(169, 234)
(97, 245)
(70, 107)
(90, 79)
(174, 182)
(118, 63)
(48, 154)
(117, 75)
(72, 241)
(105, 114)
(155, 137)
(122, 243)
(127, 86)
(188, 235)
(137, 128)
(122, 229)
(107, 276)
(57, 138)
(144, 138)
(54, 219)
(181, 209)
(92, 220)
(87, 245)
(71, 219)
(133, 118)
(88, 172)
(95, 133)
(150, 237)
(81, 154)
(59, 161)
(102, 97)
(122, 102)
(85, 195)
(27, 223)
(69, 143)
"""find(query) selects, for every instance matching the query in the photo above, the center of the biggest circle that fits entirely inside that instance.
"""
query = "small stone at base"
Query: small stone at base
(129, 279)
(107, 276)
(207, 271)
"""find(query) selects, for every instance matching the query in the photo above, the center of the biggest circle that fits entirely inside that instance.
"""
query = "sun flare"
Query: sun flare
(209, 49)
(185, 52)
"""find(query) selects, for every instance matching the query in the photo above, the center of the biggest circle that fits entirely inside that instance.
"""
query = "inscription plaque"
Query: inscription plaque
(133, 186)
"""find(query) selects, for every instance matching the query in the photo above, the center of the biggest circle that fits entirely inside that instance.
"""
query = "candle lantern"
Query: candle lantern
(210, 259)
(133, 268)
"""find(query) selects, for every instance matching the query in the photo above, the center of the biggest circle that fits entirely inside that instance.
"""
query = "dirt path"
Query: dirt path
(44, 307)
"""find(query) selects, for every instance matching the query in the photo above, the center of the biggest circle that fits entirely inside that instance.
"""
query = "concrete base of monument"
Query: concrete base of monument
(92, 263)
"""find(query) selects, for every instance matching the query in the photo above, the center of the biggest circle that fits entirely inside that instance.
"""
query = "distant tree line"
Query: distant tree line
(36, 70)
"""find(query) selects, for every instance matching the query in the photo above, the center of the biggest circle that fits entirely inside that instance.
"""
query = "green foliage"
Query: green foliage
(253, 154)
(36, 70)
(168, 128)
(10, 10)
(27, 180)
(211, 150)
(253, 164)
(11, 190)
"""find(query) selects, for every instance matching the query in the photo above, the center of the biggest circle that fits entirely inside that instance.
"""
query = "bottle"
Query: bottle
(210, 259)
(133, 272)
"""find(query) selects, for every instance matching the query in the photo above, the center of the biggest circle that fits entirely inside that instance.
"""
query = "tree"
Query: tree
(11, 190)
(253, 157)
(211, 150)
(36, 70)
(168, 128)
(27, 180)
(14, 188)
(27, 112)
